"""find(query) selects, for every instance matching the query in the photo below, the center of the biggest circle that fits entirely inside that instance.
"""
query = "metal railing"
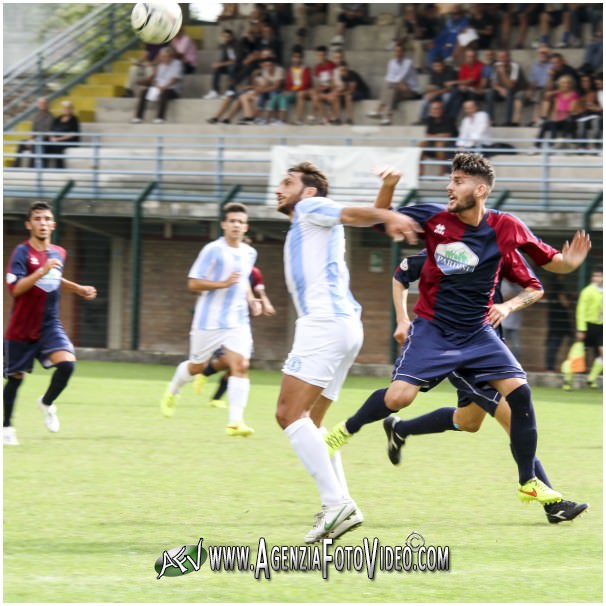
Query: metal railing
(201, 168)
(66, 60)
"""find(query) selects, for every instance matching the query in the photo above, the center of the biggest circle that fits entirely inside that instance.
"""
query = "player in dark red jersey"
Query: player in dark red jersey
(466, 243)
(34, 278)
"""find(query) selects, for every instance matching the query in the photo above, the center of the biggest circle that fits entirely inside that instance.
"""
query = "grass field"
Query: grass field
(88, 511)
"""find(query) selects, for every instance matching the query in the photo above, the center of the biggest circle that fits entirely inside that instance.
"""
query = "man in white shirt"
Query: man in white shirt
(400, 83)
(328, 331)
(164, 85)
(474, 131)
(221, 319)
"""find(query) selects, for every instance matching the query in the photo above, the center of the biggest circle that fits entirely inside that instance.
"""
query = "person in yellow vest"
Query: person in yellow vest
(589, 319)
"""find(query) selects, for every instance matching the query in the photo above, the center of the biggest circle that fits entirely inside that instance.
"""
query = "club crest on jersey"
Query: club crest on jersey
(440, 229)
(455, 258)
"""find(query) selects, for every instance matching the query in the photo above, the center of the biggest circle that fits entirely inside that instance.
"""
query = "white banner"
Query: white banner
(349, 169)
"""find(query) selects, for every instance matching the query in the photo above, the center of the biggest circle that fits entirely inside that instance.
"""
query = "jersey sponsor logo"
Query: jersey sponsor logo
(11, 278)
(439, 229)
(34, 261)
(51, 281)
(455, 258)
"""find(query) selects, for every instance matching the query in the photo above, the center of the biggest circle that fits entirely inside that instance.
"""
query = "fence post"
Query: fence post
(584, 269)
(136, 263)
(57, 207)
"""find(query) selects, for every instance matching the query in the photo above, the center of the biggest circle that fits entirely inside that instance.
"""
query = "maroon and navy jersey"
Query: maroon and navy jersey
(464, 263)
(39, 306)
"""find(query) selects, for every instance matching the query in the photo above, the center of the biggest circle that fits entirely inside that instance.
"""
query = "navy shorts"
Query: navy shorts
(469, 391)
(19, 356)
(431, 354)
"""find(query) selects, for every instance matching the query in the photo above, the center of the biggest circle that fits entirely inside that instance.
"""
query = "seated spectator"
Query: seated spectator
(270, 40)
(416, 31)
(225, 66)
(298, 80)
(186, 51)
(594, 51)
(589, 117)
(438, 125)
(508, 79)
(474, 132)
(267, 90)
(231, 104)
(400, 83)
(350, 16)
(352, 88)
(248, 53)
(444, 43)
(33, 147)
(522, 15)
(468, 83)
(441, 80)
(559, 68)
(552, 16)
(484, 20)
(322, 83)
(165, 84)
(564, 107)
(141, 69)
(65, 133)
(538, 81)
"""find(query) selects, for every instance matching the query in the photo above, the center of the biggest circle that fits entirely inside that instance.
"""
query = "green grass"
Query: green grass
(88, 511)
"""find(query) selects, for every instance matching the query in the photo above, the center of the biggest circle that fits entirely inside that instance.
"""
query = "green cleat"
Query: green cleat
(199, 383)
(535, 490)
(168, 403)
(337, 437)
(217, 404)
(239, 429)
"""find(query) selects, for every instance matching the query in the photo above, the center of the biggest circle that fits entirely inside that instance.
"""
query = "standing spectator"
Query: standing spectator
(474, 132)
(298, 80)
(322, 83)
(441, 80)
(444, 43)
(141, 69)
(513, 322)
(589, 324)
(186, 51)
(538, 81)
(163, 86)
(65, 132)
(559, 326)
(400, 83)
(353, 88)
(565, 106)
(42, 124)
(468, 84)
(439, 125)
(226, 66)
(350, 16)
(508, 79)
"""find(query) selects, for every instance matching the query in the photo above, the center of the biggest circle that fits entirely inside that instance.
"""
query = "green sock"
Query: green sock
(596, 370)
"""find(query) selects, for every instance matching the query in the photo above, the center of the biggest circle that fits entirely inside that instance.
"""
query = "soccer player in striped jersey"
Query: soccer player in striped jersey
(328, 331)
(35, 278)
(221, 318)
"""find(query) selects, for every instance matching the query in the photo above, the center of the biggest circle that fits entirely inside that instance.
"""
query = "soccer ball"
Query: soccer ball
(156, 23)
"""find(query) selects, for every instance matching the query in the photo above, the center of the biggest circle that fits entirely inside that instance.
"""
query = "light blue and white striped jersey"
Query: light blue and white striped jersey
(224, 307)
(316, 274)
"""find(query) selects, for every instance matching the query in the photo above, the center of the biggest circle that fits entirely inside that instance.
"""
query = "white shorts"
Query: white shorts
(202, 343)
(324, 350)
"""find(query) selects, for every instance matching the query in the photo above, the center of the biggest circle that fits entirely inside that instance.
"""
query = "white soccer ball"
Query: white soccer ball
(156, 23)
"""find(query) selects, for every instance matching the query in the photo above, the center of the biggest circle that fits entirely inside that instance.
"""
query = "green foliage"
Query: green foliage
(89, 510)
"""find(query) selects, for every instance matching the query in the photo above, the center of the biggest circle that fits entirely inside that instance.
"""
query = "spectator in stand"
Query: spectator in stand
(65, 133)
(594, 51)
(442, 126)
(590, 109)
(474, 132)
(270, 40)
(226, 66)
(232, 104)
(538, 81)
(441, 81)
(186, 51)
(350, 16)
(416, 32)
(564, 109)
(298, 80)
(522, 15)
(34, 147)
(268, 89)
(141, 69)
(400, 83)
(337, 57)
(483, 18)
(508, 79)
(249, 52)
(163, 86)
(352, 89)
(322, 83)
(444, 43)
(550, 18)
(559, 326)
(468, 84)
(230, 11)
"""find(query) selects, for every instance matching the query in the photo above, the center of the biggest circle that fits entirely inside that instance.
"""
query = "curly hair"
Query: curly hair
(311, 176)
(474, 164)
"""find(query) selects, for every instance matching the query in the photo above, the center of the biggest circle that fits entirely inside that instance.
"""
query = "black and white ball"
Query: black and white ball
(157, 22)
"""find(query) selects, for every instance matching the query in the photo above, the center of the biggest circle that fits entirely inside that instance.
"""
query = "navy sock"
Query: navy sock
(435, 421)
(373, 409)
(523, 431)
(10, 394)
(539, 472)
(59, 381)
(221, 389)
(209, 370)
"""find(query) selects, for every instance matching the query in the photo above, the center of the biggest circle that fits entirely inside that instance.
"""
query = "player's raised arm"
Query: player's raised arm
(389, 179)
(572, 255)
(397, 226)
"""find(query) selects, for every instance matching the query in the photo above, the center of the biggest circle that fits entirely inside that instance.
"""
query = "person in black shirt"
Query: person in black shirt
(66, 129)
(353, 88)
(438, 124)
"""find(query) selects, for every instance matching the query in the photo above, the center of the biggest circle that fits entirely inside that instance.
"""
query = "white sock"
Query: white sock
(309, 445)
(337, 465)
(237, 395)
(180, 378)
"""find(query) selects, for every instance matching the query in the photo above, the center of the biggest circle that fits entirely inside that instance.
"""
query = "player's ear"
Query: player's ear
(310, 191)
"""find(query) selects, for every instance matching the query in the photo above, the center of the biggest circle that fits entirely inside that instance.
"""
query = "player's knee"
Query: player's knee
(284, 416)
(397, 399)
(65, 370)
(240, 367)
(469, 426)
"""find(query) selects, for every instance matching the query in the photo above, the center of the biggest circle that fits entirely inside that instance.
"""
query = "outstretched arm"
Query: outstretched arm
(397, 226)
(390, 177)
(572, 255)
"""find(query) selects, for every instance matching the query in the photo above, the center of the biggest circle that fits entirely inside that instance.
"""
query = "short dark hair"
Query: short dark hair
(234, 207)
(311, 176)
(474, 164)
(321, 49)
(228, 31)
(38, 206)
